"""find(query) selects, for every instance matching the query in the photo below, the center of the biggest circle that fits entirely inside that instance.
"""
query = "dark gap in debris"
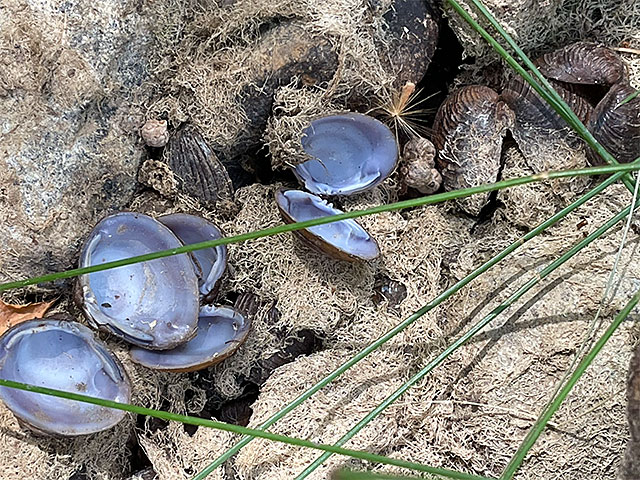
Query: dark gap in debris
(138, 458)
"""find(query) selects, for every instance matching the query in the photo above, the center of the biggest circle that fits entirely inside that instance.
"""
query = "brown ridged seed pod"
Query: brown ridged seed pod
(537, 125)
(468, 132)
(582, 63)
(199, 172)
(616, 125)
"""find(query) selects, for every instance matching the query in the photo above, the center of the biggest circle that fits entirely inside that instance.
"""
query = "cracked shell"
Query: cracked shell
(344, 240)
(151, 304)
(62, 355)
(221, 330)
(350, 152)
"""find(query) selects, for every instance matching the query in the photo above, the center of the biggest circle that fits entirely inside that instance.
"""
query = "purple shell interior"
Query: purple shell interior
(346, 235)
(65, 356)
(152, 304)
(352, 153)
(210, 263)
(220, 331)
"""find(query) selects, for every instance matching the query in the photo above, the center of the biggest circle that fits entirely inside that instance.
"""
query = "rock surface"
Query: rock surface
(69, 148)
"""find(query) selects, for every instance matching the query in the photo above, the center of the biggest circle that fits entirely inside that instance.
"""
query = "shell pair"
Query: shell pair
(351, 153)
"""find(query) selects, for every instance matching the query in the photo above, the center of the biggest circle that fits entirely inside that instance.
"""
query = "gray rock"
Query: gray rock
(69, 148)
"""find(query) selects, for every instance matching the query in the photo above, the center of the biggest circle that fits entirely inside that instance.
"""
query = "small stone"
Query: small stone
(154, 133)
(418, 166)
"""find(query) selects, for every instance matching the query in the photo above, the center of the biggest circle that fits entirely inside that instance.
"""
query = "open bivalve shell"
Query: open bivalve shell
(210, 263)
(351, 153)
(151, 304)
(221, 330)
(345, 240)
(63, 355)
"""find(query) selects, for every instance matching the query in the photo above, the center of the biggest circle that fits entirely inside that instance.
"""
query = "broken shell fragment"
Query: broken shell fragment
(196, 167)
(350, 153)
(616, 124)
(418, 166)
(154, 133)
(153, 304)
(582, 63)
(210, 263)
(63, 355)
(345, 240)
(221, 330)
(468, 131)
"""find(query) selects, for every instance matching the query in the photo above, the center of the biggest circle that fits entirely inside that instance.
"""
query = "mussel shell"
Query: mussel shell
(344, 240)
(582, 63)
(62, 355)
(615, 126)
(210, 263)
(199, 172)
(221, 330)
(351, 153)
(468, 131)
(151, 304)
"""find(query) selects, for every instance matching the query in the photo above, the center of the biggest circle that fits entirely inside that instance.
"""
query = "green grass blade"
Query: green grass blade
(428, 200)
(467, 336)
(544, 89)
(410, 320)
(541, 423)
(370, 457)
(628, 99)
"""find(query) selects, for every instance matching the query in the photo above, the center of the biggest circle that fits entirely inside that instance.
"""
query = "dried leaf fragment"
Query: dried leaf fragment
(11, 315)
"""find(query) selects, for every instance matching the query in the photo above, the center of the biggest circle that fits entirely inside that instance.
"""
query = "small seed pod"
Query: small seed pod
(616, 124)
(417, 168)
(154, 133)
(468, 132)
(582, 63)
(197, 169)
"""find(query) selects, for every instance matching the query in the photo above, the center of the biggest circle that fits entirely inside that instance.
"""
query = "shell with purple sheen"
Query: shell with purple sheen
(62, 355)
(345, 240)
(221, 330)
(152, 304)
(351, 153)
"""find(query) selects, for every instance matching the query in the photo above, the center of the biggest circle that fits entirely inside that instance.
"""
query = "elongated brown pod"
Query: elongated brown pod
(582, 63)
(199, 172)
(468, 132)
(616, 124)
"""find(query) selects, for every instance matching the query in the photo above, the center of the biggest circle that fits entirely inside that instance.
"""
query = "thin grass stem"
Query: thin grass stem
(226, 427)
(416, 202)
(466, 337)
(354, 475)
(409, 321)
(540, 425)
